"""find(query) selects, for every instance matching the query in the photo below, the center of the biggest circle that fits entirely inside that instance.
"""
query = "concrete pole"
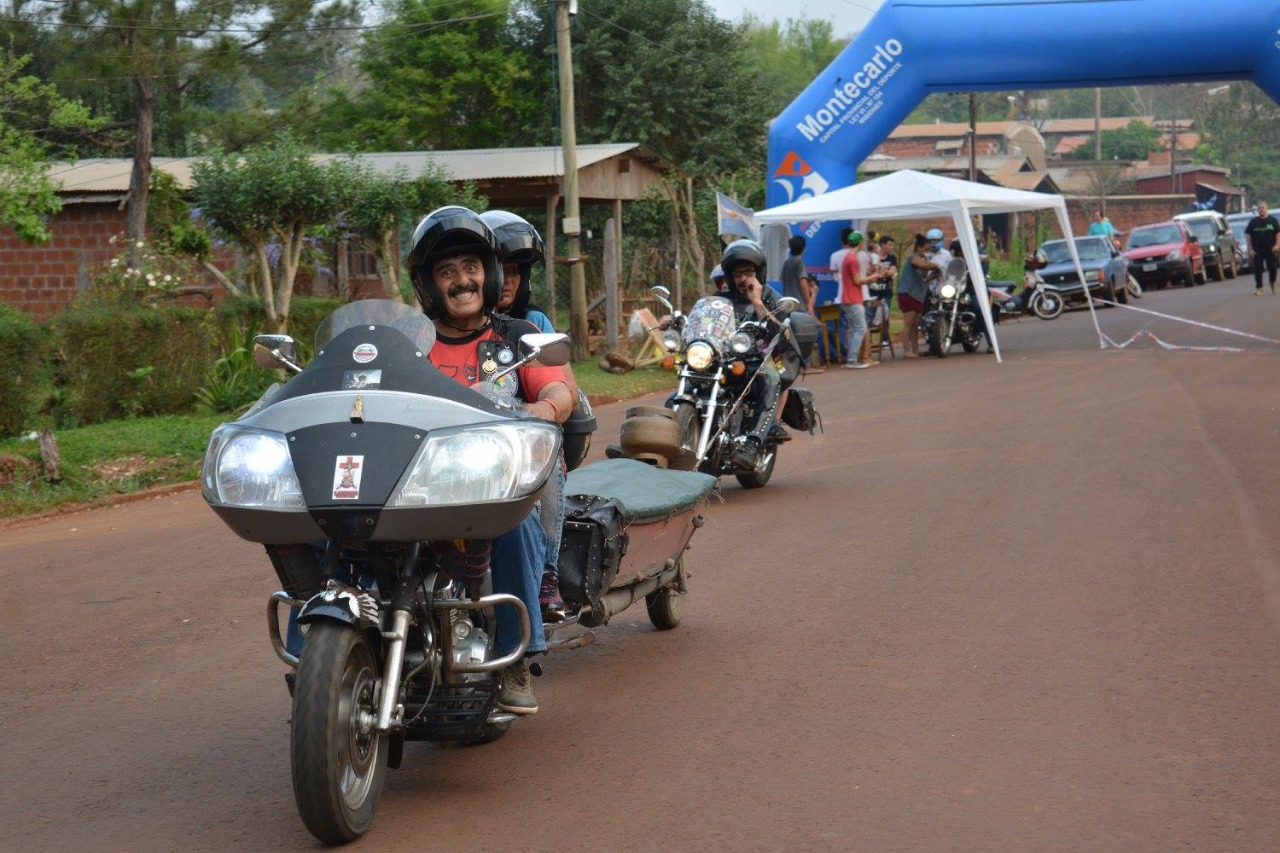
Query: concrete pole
(572, 221)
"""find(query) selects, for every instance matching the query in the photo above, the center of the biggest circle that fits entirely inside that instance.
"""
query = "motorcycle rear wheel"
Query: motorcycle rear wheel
(1133, 288)
(338, 769)
(759, 478)
(1047, 306)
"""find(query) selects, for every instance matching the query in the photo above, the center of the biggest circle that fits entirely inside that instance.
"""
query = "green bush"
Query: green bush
(23, 377)
(120, 362)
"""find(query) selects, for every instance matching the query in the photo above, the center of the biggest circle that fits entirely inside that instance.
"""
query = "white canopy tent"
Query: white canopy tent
(908, 194)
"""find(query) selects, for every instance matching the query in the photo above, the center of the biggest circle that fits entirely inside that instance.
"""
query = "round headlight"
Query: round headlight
(741, 343)
(947, 291)
(699, 355)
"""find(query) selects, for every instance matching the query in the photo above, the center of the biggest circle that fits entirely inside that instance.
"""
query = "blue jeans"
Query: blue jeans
(856, 318)
(516, 563)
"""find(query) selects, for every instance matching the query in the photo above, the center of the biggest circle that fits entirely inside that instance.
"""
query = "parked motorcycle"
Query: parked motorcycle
(948, 317)
(1034, 299)
(377, 485)
(706, 423)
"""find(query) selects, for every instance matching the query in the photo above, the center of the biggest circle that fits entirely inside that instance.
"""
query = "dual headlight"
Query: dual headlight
(497, 462)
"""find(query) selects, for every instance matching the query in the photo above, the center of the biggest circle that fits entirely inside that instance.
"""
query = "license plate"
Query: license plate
(1148, 267)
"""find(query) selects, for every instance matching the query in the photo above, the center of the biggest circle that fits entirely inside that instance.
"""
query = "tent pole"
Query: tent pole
(964, 230)
(1061, 210)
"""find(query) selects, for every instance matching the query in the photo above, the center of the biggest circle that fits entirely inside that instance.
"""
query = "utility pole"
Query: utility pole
(572, 224)
(973, 136)
(1097, 124)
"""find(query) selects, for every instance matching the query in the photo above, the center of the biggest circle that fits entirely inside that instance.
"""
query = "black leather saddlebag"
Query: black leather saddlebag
(800, 411)
(591, 548)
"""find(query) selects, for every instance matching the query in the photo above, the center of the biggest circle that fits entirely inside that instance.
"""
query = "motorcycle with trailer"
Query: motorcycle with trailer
(705, 423)
(377, 485)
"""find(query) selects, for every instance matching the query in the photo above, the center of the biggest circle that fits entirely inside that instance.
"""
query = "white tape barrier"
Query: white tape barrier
(1107, 341)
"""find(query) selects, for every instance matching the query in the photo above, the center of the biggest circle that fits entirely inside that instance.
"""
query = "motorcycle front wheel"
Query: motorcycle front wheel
(1047, 306)
(759, 478)
(939, 339)
(338, 761)
(689, 423)
(1133, 288)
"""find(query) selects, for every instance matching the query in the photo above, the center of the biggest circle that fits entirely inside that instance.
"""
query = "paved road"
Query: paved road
(1031, 606)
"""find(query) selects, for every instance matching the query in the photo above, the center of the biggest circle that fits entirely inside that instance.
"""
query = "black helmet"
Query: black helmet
(518, 243)
(736, 254)
(443, 233)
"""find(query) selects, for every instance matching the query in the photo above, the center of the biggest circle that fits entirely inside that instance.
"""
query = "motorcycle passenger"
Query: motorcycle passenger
(913, 288)
(519, 248)
(453, 264)
(744, 263)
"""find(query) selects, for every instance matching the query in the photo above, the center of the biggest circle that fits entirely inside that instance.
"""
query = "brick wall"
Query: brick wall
(43, 280)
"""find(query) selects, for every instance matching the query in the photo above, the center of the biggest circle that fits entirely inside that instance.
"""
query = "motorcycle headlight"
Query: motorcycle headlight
(947, 291)
(699, 355)
(741, 343)
(251, 468)
(474, 465)
(671, 340)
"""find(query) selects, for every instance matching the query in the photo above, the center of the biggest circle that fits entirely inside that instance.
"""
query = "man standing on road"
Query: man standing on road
(1101, 226)
(793, 270)
(1262, 231)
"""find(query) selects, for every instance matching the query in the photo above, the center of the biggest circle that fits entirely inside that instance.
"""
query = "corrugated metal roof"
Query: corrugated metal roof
(112, 175)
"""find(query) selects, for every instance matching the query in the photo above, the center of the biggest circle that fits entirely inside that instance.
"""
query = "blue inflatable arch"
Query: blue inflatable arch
(913, 48)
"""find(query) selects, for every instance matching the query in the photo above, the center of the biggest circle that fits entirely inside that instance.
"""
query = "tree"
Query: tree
(439, 74)
(265, 201)
(789, 56)
(30, 109)
(1134, 141)
(381, 205)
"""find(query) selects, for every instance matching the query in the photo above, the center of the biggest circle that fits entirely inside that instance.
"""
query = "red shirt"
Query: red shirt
(459, 359)
(850, 272)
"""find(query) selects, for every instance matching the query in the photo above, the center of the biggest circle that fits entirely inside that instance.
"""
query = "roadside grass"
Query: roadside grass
(103, 462)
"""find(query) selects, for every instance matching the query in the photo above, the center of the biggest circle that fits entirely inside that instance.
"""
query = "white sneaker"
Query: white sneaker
(856, 365)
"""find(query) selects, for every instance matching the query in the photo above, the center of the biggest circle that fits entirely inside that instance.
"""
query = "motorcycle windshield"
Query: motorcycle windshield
(410, 322)
(711, 320)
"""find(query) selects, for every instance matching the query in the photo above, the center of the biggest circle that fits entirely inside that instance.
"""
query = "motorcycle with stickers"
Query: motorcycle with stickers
(377, 485)
(706, 423)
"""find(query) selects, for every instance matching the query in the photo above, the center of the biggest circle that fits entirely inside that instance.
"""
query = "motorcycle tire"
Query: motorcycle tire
(650, 436)
(1047, 306)
(689, 425)
(940, 341)
(759, 478)
(1133, 288)
(337, 771)
(665, 607)
(969, 344)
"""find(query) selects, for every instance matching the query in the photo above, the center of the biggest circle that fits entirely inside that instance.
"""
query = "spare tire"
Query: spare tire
(650, 412)
(647, 434)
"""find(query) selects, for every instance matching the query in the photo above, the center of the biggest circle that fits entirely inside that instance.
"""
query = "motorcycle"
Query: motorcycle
(706, 423)
(947, 317)
(1035, 299)
(377, 485)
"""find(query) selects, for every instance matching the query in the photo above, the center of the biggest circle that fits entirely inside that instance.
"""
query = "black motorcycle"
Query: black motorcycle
(377, 485)
(706, 423)
(948, 316)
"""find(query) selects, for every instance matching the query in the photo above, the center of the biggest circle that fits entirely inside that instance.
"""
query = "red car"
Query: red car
(1163, 253)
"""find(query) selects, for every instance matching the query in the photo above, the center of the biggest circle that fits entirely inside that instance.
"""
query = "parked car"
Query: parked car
(1105, 269)
(1164, 252)
(1238, 221)
(1219, 246)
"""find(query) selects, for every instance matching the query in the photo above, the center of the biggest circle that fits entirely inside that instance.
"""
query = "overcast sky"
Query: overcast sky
(846, 16)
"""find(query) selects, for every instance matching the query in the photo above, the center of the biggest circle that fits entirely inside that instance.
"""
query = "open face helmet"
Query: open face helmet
(518, 243)
(445, 233)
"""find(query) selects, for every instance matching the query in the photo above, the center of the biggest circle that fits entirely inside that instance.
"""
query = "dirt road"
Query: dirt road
(1033, 606)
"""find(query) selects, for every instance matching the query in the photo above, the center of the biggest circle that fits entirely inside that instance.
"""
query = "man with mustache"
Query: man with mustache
(455, 270)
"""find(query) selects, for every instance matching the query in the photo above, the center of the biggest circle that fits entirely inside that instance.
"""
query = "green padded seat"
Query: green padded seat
(646, 492)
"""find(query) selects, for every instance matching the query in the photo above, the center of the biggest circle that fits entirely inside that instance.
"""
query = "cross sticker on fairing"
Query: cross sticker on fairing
(346, 477)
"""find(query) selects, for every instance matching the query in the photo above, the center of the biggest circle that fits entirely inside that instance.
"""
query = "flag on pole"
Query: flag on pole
(734, 219)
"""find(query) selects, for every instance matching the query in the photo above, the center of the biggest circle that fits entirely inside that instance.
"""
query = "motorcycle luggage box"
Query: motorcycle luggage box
(806, 329)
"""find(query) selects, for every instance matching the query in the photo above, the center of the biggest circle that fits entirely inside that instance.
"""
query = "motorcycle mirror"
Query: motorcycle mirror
(275, 352)
(549, 349)
(663, 295)
(788, 303)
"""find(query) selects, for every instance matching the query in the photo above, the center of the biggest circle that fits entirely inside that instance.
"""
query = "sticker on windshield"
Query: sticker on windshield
(356, 380)
(346, 478)
(364, 353)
